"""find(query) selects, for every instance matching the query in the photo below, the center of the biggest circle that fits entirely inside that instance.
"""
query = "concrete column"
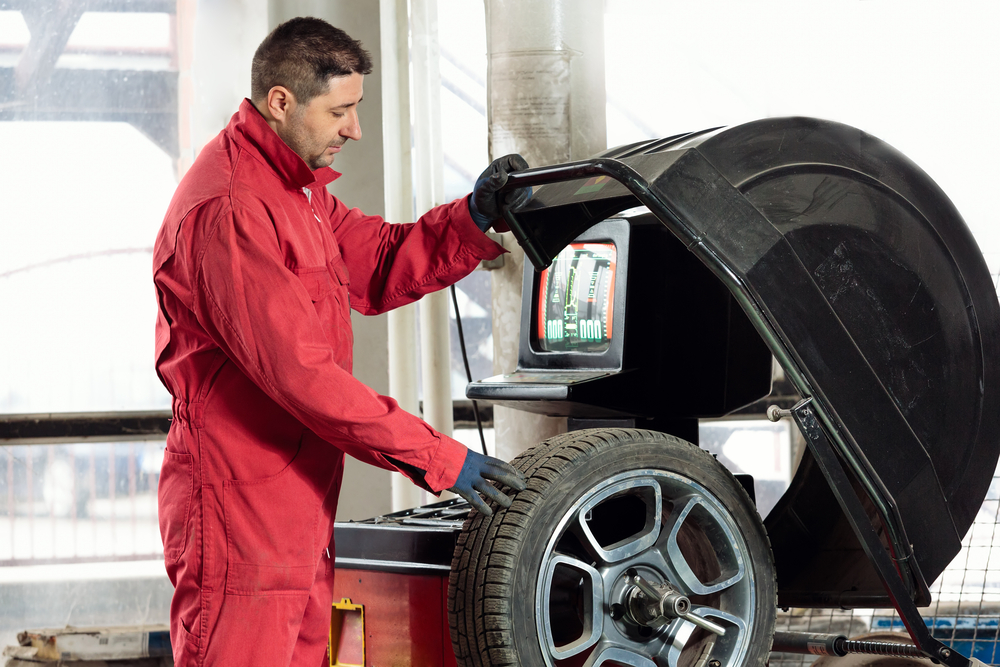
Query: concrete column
(545, 101)
(367, 491)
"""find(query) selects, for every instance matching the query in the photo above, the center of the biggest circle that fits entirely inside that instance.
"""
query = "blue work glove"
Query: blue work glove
(483, 205)
(472, 481)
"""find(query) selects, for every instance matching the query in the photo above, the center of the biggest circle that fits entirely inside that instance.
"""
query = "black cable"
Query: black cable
(468, 371)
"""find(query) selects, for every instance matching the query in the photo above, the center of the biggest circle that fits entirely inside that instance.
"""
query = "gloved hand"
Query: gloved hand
(472, 479)
(483, 205)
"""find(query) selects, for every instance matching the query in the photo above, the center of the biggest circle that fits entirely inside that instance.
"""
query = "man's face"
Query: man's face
(316, 131)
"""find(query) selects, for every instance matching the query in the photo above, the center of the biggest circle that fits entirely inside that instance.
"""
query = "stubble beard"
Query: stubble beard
(298, 140)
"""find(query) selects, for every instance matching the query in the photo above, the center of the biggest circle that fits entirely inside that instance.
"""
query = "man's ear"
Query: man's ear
(280, 103)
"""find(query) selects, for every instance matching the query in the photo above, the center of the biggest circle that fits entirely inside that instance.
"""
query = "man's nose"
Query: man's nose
(353, 129)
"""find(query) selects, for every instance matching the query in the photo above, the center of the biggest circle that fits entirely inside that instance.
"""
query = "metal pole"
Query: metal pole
(402, 322)
(435, 341)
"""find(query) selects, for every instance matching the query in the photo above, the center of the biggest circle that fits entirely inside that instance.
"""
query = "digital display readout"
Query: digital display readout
(576, 297)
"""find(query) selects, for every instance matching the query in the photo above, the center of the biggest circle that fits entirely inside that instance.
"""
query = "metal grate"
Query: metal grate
(449, 513)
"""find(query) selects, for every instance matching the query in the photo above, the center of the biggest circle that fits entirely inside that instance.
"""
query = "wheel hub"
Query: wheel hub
(656, 604)
(650, 604)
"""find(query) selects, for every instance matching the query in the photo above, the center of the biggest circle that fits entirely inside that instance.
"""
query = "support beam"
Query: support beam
(51, 428)
(34, 89)
(51, 22)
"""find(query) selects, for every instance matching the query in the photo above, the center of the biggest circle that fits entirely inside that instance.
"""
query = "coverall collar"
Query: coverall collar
(249, 129)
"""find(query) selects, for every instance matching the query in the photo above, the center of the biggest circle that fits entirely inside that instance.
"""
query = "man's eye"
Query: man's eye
(337, 115)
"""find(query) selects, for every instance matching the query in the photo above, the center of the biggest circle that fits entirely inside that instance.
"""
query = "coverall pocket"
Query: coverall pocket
(271, 527)
(188, 642)
(174, 493)
(317, 282)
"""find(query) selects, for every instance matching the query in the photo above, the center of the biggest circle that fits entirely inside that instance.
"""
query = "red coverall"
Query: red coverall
(256, 266)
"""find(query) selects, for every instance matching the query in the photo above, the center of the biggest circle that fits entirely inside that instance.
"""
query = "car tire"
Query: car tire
(543, 583)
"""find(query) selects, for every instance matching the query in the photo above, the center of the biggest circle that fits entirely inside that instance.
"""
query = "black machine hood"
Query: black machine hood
(863, 279)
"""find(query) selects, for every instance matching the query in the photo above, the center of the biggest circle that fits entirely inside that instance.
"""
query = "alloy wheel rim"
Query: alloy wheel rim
(671, 530)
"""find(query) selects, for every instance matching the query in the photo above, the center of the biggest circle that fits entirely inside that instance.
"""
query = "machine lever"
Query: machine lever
(704, 624)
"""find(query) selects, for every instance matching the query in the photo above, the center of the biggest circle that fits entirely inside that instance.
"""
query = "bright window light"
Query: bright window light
(123, 30)
(13, 29)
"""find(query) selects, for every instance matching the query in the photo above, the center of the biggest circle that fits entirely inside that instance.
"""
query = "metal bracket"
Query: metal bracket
(347, 634)
(775, 414)
(829, 463)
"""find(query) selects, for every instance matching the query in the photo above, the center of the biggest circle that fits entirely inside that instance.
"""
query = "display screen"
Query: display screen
(576, 297)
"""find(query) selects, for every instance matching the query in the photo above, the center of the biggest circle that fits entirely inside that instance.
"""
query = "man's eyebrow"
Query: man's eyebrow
(348, 105)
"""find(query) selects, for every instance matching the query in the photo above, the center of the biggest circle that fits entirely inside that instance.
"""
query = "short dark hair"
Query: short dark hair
(302, 55)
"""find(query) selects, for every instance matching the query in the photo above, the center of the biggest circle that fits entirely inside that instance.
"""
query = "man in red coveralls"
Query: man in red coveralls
(256, 266)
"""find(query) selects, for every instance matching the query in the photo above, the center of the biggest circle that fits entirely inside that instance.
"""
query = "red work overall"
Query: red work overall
(256, 266)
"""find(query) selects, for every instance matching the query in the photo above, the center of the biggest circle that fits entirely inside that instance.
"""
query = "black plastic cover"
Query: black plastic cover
(869, 288)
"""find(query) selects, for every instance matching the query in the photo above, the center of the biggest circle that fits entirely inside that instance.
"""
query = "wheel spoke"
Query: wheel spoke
(649, 490)
(593, 612)
(734, 567)
(680, 634)
(576, 529)
(619, 656)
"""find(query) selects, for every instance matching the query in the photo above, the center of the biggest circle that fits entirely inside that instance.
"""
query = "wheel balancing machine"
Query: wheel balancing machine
(663, 278)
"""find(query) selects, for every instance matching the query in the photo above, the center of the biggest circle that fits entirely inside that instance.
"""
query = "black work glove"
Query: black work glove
(483, 205)
(472, 479)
